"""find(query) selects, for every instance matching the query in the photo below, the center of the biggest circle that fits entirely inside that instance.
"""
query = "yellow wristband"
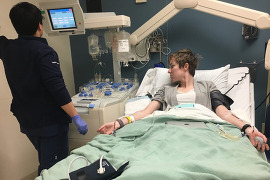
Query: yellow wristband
(129, 119)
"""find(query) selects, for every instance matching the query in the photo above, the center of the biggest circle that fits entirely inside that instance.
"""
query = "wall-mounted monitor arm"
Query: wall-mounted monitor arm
(240, 14)
(155, 22)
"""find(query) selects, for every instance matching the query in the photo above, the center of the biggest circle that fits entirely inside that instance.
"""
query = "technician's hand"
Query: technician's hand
(252, 133)
(106, 128)
(82, 126)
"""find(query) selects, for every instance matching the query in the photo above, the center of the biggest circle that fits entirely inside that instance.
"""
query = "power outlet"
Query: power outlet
(249, 32)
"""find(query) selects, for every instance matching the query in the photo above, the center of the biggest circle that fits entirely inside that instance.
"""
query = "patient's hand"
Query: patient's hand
(252, 134)
(107, 128)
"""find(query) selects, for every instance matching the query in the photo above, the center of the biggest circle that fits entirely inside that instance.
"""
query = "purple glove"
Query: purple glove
(82, 126)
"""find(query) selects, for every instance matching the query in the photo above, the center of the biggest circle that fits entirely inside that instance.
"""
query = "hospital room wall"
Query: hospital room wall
(18, 158)
(218, 40)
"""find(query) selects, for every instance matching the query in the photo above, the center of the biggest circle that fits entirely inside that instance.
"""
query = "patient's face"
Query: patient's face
(176, 73)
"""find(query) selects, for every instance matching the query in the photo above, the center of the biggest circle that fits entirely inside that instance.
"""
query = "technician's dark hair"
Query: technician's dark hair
(186, 56)
(25, 18)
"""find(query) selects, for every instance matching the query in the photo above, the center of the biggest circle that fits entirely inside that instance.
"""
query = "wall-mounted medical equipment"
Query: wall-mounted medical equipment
(62, 17)
(249, 32)
(240, 14)
(105, 20)
(65, 17)
(99, 103)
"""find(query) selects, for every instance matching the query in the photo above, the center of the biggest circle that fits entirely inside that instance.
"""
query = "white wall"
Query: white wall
(18, 158)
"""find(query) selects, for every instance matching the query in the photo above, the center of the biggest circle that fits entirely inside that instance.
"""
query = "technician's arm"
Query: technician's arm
(72, 112)
(70, 109)
(109, 127)
(53, 80)
(226, 115)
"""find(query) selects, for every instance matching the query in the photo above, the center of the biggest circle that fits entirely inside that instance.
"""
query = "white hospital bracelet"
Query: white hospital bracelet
(132, 118)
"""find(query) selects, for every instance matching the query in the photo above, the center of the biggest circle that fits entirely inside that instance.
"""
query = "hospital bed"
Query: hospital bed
(157, 149)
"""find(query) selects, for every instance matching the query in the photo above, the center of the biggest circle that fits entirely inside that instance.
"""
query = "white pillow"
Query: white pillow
(136, 104)
(239, 79)
(157, 77)
(218, 76)
(162, 77)
(146, 84)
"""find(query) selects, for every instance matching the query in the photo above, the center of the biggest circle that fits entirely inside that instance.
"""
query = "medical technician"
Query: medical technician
(185, 89)
(41, 102)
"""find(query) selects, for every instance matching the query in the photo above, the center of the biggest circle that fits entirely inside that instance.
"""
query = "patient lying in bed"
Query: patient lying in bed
(157, 149)
(185, 89)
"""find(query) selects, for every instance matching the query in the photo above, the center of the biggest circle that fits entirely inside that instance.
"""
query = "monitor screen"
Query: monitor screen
(62, 18)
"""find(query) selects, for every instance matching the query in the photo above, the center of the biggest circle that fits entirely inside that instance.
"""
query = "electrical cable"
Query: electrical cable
(237, 82)
(168, 51)
(155, 40)
(68, 171)
(255, 65)
(101, 169)
(262, 101)
(165, 42)
(139, 67)
(147, 48)
(242, 79)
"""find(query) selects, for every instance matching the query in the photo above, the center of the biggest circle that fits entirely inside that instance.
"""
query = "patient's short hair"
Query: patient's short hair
(25, 18)
(186, 56)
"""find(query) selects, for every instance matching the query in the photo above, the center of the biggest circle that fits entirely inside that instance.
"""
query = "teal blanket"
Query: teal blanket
(159, 151)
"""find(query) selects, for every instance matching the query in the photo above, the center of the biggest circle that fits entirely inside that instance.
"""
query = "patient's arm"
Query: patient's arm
(226, 115)
(153, 106)
(108, 128)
